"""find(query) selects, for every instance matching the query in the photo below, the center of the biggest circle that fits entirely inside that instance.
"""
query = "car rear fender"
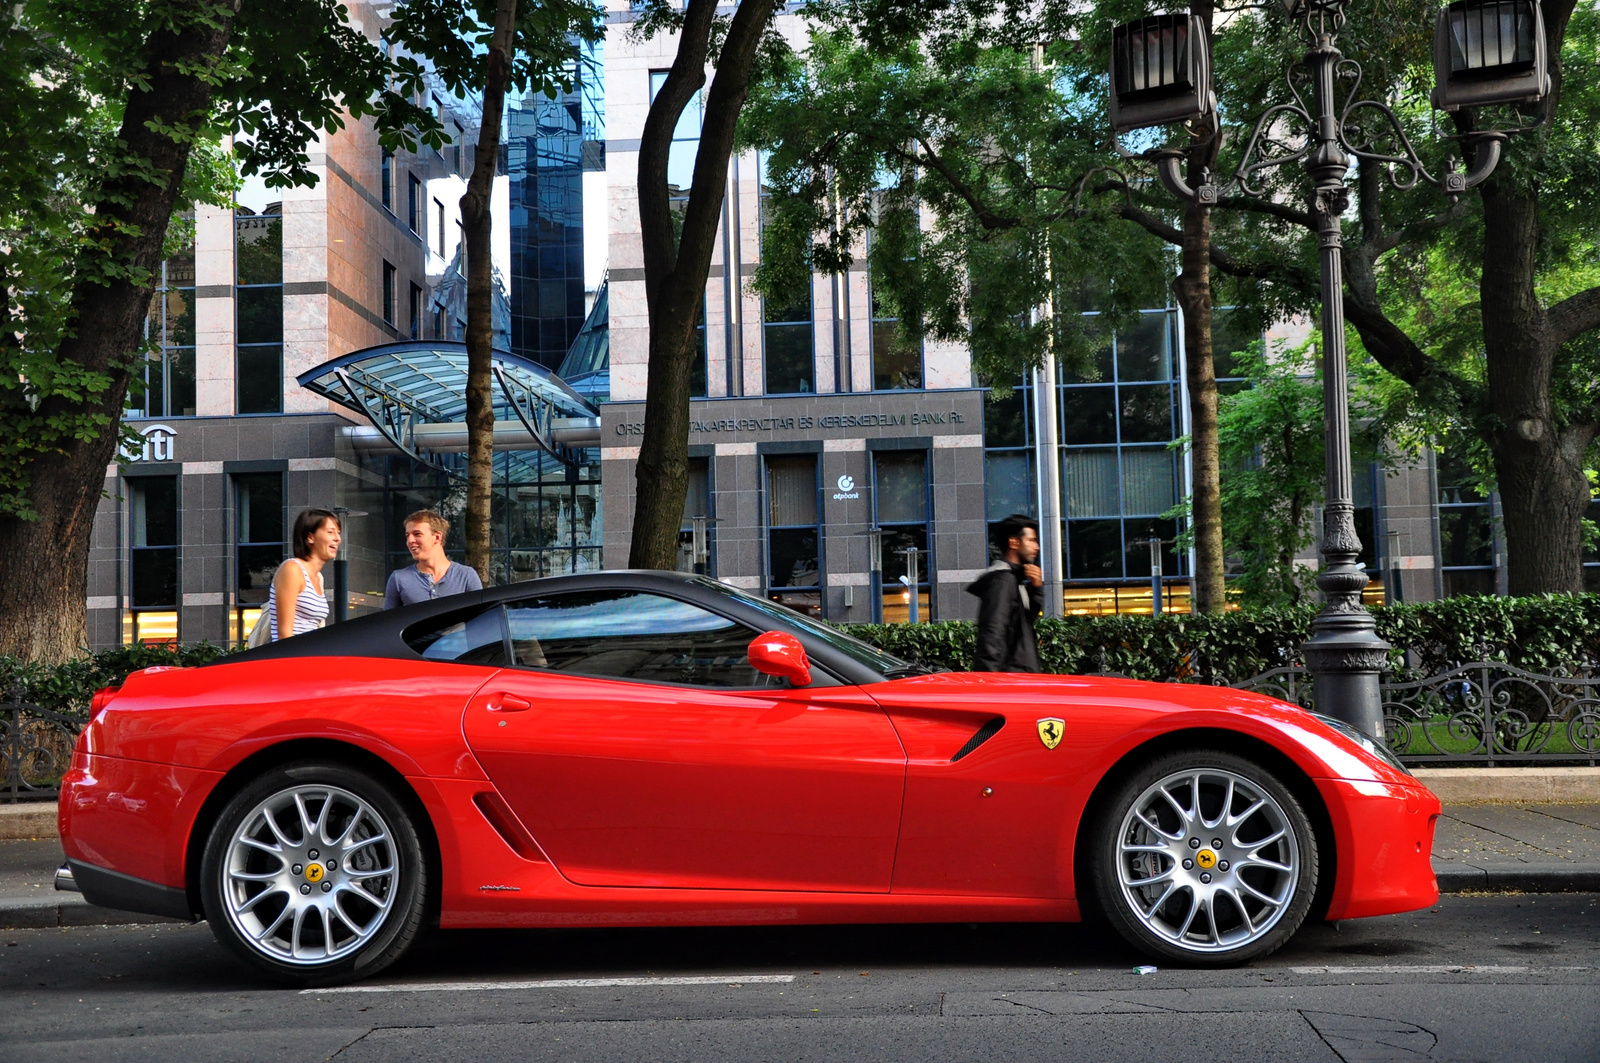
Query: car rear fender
(302, 749)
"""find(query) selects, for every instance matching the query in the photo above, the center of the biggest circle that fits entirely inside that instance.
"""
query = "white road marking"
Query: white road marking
(556, 983)
(1407, 968)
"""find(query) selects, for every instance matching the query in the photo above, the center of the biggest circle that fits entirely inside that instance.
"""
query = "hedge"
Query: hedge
(1551, 633)
(68, 687)
(1554, 633)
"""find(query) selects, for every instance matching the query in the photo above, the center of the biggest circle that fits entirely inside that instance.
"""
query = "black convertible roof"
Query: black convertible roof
(383, 634)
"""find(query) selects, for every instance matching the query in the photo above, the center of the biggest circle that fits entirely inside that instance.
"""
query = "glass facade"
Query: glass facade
(794, 535)
(550, 142)
(258, 265)
(260, 543)
(545, 516)
(1466, 529)
(168, 375)
(900, 509)
(153, 538)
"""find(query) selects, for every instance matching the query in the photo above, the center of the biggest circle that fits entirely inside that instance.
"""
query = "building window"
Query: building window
(786, 333)
(793, 537)
(386, 180)
(153, 559)
(900, 509)
(414, 203)
(1117, 419)
(258, 261)
(461, 249)
(438, 322)
(168, 374)
(895, 366)
(414, 314)
(260, 543)
(438, 229)
(455, 146)
(694, 555)
(388, 292)
(1466, 530)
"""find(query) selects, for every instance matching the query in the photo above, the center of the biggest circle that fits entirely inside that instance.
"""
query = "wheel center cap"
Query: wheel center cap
(1205, 858)
(314, 872)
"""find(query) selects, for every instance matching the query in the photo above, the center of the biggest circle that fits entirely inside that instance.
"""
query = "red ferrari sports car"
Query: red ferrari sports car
(648, 748)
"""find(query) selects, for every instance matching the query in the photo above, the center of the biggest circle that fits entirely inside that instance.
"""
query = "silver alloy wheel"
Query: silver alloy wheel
(310, 875)
(1207, 860)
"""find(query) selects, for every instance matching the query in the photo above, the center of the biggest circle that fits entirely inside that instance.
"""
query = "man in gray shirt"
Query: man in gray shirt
(433, 575)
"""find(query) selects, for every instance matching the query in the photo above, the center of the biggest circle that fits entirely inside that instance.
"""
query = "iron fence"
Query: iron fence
(35, 748)
(1480, 712)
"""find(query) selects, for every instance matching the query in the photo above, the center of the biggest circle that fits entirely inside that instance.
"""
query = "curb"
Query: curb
(1543, 877)
(69, 911)
(1507, 786)
(36, 819)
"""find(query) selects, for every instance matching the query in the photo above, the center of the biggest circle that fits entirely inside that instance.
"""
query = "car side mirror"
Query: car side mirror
(780, 653)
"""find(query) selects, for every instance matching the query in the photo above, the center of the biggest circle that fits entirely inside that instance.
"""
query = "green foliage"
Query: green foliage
(292, 69)
(1552, 633)
(1271, 442)
(69, 686)
(454, 36)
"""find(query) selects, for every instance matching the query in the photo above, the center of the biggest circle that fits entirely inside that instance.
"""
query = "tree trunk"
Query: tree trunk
(43, 608)
(676, 264)
(1538, 462)
(476, 225)
(1193, 289)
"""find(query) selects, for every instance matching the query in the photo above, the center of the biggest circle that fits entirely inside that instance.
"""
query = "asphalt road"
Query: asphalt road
(1476, 978)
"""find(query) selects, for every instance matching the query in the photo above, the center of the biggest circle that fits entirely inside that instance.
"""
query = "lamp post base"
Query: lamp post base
(1345, 657)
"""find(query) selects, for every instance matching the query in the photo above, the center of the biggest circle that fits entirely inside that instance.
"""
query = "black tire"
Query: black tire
(1245, 907)
(361, 897)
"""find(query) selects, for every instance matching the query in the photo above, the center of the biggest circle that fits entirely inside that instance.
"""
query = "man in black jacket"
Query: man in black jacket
(1010, 600)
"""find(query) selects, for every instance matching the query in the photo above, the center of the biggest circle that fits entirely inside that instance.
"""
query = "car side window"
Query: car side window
(625, 634)
(469, 639)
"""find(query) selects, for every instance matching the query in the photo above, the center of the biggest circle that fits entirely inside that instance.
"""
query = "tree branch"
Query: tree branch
(980, 210)
(1572, 316)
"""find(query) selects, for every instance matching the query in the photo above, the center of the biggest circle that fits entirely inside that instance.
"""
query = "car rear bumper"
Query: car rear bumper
(1384, 834)
(112, 889)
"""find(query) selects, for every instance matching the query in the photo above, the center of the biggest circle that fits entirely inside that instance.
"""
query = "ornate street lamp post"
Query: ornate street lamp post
(1485, 52)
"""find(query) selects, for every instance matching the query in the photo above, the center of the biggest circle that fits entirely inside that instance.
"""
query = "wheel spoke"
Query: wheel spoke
(1150, 911)
(1151, 880)
(1238, 903)
(1129, 847)
(1195, 904)
(1156, 827)
(1261, 843)
(256, 876)
(258, 898)
(1276, 902)
(356, 876)
(284, 840)
(1227, 805)
(297, 930)
(253, 843)
(268, 931)
(1272, 865)
(327, 932)
(306, 826)
(1235, 821)
(363, 843)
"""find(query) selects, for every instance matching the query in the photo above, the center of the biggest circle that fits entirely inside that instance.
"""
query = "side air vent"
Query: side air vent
(984, 733)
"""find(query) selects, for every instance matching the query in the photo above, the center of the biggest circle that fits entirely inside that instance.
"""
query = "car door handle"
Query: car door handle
(510, 703)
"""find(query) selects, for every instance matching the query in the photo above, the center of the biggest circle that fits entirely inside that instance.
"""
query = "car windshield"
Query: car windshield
(885, 664)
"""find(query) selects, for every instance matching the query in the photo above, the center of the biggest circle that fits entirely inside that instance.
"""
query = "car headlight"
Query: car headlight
(1378, 749)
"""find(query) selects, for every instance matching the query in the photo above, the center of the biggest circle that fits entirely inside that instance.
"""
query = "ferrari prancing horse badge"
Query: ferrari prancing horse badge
(1051, 730)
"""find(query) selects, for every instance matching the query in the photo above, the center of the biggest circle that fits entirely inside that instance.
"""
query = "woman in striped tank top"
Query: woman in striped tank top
(296, 603)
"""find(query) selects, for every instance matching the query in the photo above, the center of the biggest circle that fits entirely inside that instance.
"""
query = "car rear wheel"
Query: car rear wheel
(314, 875)
(1205, 858)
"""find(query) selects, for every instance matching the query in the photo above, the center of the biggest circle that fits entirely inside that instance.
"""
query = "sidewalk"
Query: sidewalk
(1533, 848)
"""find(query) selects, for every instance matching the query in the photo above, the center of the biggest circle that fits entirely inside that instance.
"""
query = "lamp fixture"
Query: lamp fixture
(1489, 51)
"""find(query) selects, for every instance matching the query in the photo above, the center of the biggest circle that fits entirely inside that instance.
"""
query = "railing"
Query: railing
(35, 748)
(1481, 712)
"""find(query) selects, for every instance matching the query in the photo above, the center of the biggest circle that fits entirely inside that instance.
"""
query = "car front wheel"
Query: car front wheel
(1205, 858)
(313, 874)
